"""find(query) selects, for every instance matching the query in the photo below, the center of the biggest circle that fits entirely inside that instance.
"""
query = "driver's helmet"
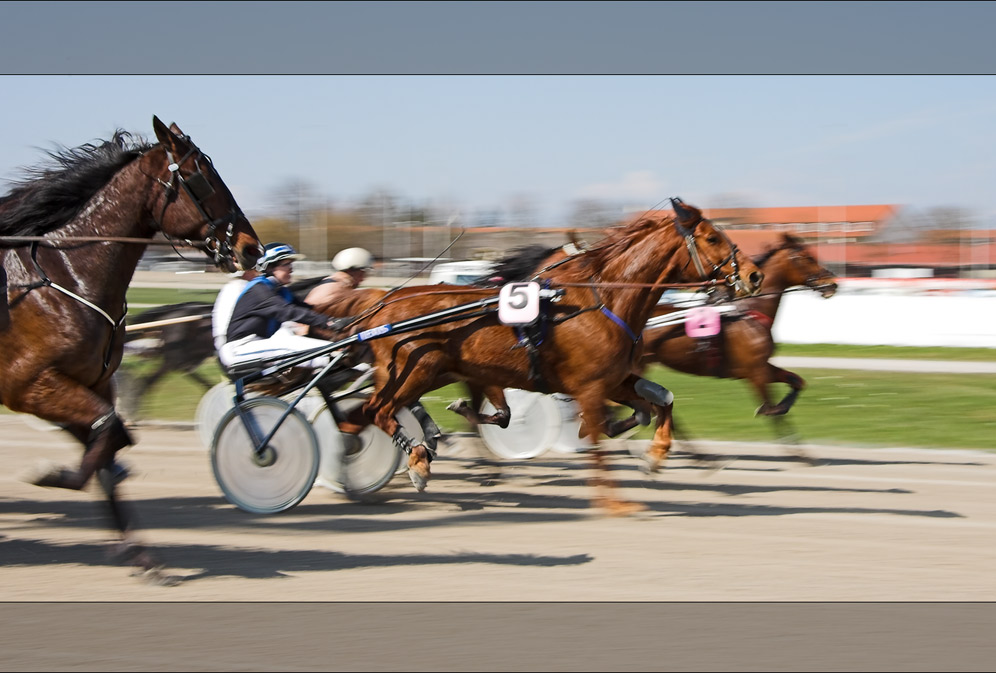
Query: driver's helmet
(275, 253)
(353, 258)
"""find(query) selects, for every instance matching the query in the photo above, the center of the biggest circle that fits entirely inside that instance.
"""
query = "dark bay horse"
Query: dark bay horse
(71, 236)
(180, 336)
(744, 345)
(589, 340)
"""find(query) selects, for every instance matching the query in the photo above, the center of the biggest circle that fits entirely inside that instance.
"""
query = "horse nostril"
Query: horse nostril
(755, 278)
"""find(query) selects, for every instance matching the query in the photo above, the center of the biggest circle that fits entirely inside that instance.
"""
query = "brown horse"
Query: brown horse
(585, 345)
(744, 346)
(71, 236)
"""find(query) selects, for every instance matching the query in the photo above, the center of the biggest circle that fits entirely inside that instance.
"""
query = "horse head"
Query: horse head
(713, 254)
(803, 269)
(197, 205)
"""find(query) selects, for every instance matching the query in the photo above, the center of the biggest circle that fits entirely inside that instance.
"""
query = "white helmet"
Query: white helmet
(353, 258)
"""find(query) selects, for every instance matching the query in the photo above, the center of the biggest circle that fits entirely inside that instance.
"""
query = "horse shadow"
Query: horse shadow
(221, 561)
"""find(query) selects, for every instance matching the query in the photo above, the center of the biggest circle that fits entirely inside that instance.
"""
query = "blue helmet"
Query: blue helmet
(274, 253)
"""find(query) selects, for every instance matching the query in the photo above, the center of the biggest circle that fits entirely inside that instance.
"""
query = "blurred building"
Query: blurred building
(864, 240)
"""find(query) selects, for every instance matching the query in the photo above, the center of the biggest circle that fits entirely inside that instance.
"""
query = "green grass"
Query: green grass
(856, 408)
(862, 408)
(157, 295)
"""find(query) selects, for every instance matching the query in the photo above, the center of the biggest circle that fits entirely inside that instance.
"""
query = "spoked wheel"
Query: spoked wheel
(220, 399)
(278, 479)
(358, 466)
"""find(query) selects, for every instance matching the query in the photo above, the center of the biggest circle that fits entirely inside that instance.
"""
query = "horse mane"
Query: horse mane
(523, 261)
(787, 240)
(52, 195)
(518, 263)
(622, 237)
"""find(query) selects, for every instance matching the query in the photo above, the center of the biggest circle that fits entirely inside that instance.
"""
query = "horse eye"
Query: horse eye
(712, 239)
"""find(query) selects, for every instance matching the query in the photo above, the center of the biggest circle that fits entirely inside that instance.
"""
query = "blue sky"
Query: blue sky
(471, 142)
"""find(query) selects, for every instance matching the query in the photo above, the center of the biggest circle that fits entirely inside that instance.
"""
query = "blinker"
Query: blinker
(199, 186)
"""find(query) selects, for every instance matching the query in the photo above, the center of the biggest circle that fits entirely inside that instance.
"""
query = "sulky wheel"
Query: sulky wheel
(285, 472)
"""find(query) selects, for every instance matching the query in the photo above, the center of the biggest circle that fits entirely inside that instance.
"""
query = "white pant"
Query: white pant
(283, 342)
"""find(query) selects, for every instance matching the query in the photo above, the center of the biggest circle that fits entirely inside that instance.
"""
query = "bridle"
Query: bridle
(814, 281)
(197, 187)
(732, 280)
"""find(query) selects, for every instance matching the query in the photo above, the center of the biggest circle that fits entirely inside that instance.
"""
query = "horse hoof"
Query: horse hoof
(621, 507)
(418, 467)
(455, 405)
(650, 464)
(47, 474)
(156, 576)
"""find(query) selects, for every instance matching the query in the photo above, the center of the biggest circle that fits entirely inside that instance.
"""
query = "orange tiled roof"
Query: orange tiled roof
(793, 214)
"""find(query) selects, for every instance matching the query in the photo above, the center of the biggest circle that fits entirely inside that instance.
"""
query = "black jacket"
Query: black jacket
(264, 305)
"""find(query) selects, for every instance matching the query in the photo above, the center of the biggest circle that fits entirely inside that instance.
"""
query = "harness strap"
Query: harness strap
(115, 324)
(760, 317)
(619, 321)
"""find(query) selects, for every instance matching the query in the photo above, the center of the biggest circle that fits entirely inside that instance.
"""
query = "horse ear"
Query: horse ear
(171, 138)
(162, 133)
(687, 216)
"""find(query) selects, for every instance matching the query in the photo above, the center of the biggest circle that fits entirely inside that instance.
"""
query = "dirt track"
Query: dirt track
(868, 525)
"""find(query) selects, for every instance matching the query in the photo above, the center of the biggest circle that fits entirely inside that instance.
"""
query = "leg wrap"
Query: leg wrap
(429, 428)
(110, 423)
(403, 441)
(654, 393)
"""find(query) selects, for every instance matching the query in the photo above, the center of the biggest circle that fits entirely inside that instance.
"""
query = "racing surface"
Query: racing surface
(863, 525)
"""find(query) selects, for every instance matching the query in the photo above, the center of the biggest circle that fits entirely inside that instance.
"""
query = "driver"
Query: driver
(265, 320)
(351, 267)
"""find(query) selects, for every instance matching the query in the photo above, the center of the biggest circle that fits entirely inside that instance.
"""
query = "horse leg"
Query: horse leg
(145, 384)
(662, 402)
(102, 438)
(87, 415)
(641, 416)
(796, 384)
(496, 395)
(593, 414)
(644, 397)
(382, 406)
(200, 379)
(777, 412)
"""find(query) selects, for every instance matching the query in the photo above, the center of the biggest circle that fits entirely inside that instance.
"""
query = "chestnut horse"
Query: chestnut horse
(744, 346)
(586, 345)
(71, 236)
